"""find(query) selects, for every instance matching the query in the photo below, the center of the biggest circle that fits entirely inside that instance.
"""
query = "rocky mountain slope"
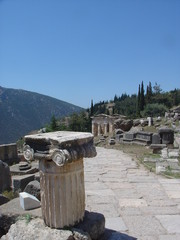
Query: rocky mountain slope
(23, 111)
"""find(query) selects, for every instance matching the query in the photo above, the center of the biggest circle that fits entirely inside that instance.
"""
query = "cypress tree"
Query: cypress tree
(92, 108)
(149, 93)
(142, 99)
(138, 101)
(115, 98)
(150, 89)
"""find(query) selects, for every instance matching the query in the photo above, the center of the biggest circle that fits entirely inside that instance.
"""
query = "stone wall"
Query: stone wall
(8, 153)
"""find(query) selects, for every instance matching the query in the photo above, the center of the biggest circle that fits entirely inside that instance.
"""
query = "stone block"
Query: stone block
(20, 182)
(5, 177)
(164, 153)
(146, 136)
(24, 168)
(167, 135)
(8, 153)
(129, 136)
(28, 201)
(156, 139)
(173, 153)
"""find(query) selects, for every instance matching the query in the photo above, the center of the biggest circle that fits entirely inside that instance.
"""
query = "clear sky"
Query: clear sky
(78, 50)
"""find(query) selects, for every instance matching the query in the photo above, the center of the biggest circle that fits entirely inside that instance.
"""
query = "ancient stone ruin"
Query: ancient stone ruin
(60, 156)
(103, 124)
(8, 153)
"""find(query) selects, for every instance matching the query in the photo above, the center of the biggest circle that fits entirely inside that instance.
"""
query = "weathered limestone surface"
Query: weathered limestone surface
(62, 193)
(91, 227)
(60, 156)
(61, 147)
(35, 229)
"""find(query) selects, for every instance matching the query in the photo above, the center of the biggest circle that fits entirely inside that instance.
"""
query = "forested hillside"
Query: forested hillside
(23, 111)
(148, 101)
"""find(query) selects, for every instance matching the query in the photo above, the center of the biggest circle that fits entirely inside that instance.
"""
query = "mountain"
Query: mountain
(23, 111)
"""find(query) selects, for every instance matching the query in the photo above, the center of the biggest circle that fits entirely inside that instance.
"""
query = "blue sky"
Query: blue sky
(78, 50)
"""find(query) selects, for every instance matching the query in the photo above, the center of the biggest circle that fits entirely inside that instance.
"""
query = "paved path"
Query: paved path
(137, 204)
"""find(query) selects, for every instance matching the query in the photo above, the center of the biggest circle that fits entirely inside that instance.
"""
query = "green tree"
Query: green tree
(92, 108)
(142, 99)
(157, 89)
(115, 98)
(127, 106)
(53, 126)
(154, 110)
(149, 93)
(138, 102)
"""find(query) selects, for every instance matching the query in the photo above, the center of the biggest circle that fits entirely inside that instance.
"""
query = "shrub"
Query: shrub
(154, 110)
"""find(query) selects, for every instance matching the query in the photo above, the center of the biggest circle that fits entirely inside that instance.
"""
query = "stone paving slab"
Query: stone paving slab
(169, 237)
(116, 224)
(143, 206)
(173, 194)
(108, 210)
(143, 226)
(170, 222)
(130, 202)
(153, 210)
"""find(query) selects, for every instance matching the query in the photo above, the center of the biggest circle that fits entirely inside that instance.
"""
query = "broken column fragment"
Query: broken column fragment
(61, 168)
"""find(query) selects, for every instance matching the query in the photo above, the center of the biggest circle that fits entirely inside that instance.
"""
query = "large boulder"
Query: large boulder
(33, 188)
(5, 177)
(35, 229)
(136, 122)
(123, 124)
(92, 227)
(144, 122)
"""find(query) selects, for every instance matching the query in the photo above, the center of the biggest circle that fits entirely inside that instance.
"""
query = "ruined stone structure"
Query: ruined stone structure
(167, 135)
(173, 113)
(103, 124)
(61, 168)
(8, 153)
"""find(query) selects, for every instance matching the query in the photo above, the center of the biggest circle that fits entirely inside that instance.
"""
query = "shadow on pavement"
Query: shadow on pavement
(113, 235)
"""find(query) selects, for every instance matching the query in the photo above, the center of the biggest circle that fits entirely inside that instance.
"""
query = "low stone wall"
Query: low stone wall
(8, 153)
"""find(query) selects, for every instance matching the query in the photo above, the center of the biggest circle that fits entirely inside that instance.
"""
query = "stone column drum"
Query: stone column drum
(61, 168)
(93, 128)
